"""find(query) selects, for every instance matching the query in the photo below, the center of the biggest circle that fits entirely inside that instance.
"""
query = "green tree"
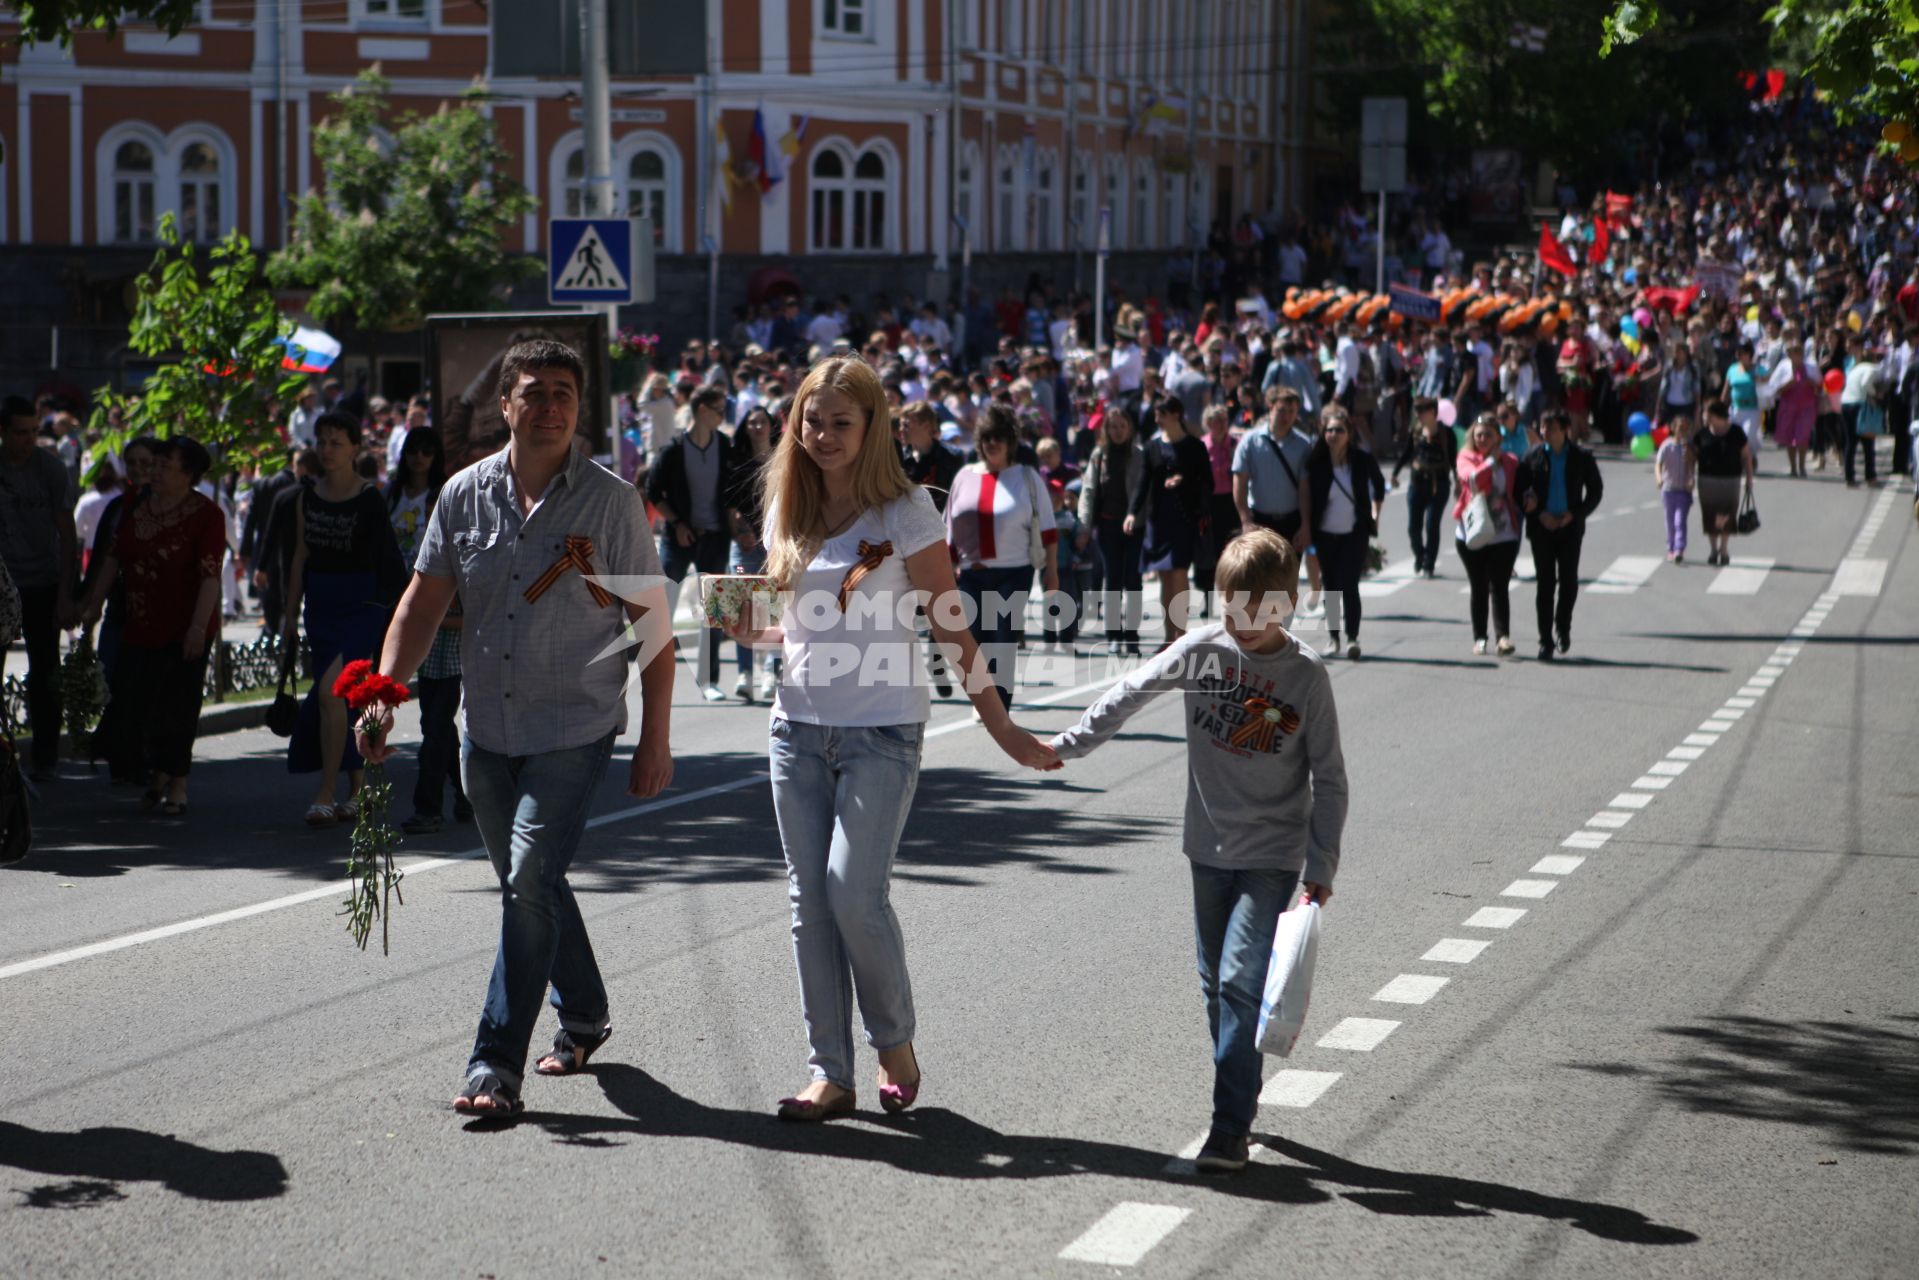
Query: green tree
(1522, 73)
(216, 326)
(1863, 52)
(56, 20)
(412, 215)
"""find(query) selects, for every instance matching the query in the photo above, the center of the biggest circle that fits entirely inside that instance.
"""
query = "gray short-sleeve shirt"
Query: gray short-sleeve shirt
(1269, 490)
(535, 676)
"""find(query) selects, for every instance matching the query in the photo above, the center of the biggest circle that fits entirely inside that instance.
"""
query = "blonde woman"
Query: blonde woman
(852, 539)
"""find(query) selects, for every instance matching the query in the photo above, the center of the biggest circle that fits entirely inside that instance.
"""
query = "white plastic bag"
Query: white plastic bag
(1289, 980)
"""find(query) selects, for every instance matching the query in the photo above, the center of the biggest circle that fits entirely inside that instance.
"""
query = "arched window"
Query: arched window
(200, 183)
(1008, 227)
(135, 179)
(967, 197)
(1142, 204)
(1115, 199)
(573, 190)
(1173, 215)
(647, 189)
(1046, 200)
(849, 210)
(1083, 230)
(646, 180)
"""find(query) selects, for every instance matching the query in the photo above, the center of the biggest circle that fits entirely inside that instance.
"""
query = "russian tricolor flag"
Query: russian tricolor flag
(309, 351)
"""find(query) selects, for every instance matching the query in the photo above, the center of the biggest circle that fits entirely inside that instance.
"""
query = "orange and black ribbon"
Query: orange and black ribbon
(1257, 733)
(870, 557)
(578, 555)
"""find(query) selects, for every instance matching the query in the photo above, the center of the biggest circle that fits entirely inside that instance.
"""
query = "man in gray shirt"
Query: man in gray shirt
(551, 556)
(40, 549)
(1269, 472)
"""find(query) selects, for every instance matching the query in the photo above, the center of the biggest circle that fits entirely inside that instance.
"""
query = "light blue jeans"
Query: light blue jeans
(531, 811)
(841, 795)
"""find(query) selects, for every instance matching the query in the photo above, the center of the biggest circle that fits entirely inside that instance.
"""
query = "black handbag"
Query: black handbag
(286, 708)
(1748, 519)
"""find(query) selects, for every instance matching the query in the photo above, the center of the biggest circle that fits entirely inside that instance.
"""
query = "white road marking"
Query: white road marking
(1743, 577)
(1668, 768)
(1389, 579)
(1728, 714)
(1359, 1035)
(1494, 918)
(1611, 819)
(1410, 988)
(1557, 864)
(1585, 840)
(1456, 950)
(1715, 726)
(1752, 691)
(1699, 740)
(1742, 704)
(1686, 753)
(1628, 800)
(1126, 1234)
(1650, 783)
(1295, 1088)
(1857, 577)
(1625, 575)
(1762, 682)
(1529, 888)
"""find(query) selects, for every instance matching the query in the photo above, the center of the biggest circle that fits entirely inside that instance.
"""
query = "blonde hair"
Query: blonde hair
(1257, 563)
(792, 489)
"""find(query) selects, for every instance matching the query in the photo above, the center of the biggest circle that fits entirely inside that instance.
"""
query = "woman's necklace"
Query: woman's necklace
(841, 525)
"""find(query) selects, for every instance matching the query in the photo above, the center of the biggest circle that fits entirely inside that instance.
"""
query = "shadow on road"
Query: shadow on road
(936, 1142)
(95, 1161)
(1858, 1083)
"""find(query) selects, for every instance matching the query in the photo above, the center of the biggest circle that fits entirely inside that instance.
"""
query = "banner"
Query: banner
(1414, 305)
(1720, 279)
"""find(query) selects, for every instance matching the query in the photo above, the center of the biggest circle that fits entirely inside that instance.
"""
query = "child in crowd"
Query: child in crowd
(1265, 800)
(1672, 471)
(1063, 628)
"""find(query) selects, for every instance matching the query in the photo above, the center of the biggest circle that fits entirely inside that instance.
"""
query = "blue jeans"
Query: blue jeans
(1234, 915)
(531, 811)
(1425, 504)
(841, 796)
(998, 598)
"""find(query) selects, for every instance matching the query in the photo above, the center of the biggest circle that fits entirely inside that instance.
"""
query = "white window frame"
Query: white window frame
(1082, 213)
(365, 15)
(972, 168)
(1009, 203)
(1172, 209)
(1114, 193)
(835, 27)
(625, 147)
(167, 149)
(1046, 201)
(856, 190)
(1143, 186)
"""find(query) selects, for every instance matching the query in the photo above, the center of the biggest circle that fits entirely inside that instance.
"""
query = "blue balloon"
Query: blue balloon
(1629, 327)
(1639, 424)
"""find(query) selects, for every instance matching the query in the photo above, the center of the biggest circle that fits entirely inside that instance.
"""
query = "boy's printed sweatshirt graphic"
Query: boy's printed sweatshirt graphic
(1241, 712)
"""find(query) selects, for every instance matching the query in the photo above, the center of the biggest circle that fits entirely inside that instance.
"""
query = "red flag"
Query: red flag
(1554, 254)
(1674, 300)
(1775, 84)
(1602, 241)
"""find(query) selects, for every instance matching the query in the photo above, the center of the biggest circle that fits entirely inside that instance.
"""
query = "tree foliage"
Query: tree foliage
(214, 323)
(1863, 52)
(42, 21)
(1469, 65)
(412, 215)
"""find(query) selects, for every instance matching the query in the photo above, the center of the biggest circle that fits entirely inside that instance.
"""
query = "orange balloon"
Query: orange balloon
(1895, 131)
(1909, 149)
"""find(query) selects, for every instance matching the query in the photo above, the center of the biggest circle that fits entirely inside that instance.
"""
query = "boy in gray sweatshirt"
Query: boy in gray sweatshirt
(1265, 800)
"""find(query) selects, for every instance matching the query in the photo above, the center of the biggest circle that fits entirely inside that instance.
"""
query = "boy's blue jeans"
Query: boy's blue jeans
(1235, 913)
(531, 811)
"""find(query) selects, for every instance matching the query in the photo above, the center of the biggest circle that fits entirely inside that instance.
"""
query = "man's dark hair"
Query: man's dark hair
(193, 456)
(150, 443)
(540, 353)
(16, 407)
(708, 398)
(1717, 409)
(334, 420)
(307, 459)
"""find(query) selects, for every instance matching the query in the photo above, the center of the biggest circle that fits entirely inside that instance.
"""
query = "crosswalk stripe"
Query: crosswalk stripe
(1625, 575)
(1743, 577)
(1859, 577)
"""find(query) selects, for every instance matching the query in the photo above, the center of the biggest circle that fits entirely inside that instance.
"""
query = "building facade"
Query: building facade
(939, 132)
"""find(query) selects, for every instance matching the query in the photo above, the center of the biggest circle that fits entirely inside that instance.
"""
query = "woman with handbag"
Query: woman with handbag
(167, 553)
(347, 572)
(1723, 459)
(1347, 490)
(999, 522)
(1486, 531)
(1799, 398)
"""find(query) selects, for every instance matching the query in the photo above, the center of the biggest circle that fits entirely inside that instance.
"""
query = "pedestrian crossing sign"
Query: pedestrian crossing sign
(589, 260)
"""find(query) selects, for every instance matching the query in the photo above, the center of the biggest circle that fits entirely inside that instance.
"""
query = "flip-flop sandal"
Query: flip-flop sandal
(321, 815)
(506, 1100)
(173, 808)
(573, 1052)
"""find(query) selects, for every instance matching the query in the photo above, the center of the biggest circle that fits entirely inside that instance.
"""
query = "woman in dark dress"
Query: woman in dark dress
(1724, 470)
(347, 571)
(1173, 501)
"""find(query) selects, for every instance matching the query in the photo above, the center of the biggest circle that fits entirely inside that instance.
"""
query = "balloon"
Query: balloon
(1644, 317)
(1639, 424)
(1659, 435)
(1852, 321)
(1895, 131)
(1835, 381)
(1909, 149)
(1629, 327)
(1631, 344)
(1448, 412)
(1459, 436)
(1752, 312)
(1642, 447)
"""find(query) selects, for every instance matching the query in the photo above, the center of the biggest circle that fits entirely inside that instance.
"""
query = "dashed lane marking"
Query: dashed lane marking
(1494, 918)
(1295, 1088)
(1410, 988)
(1456, 950)
(1557, 864)
(1127, 1233)
(1529, 888)
(1358, 1035)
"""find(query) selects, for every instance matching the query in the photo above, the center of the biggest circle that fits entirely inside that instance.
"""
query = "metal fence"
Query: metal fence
(233, 668)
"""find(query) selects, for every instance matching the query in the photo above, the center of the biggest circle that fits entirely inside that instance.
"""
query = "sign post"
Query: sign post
(1105, 249)
(1382, 165)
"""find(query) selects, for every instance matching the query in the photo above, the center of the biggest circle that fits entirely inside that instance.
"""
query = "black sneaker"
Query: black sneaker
(1223, 1153)
(1565, 637)
(1546, 652)
(421, 825)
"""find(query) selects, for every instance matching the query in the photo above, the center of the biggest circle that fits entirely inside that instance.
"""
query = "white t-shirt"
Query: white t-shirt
(1340, 516)
(860, 667)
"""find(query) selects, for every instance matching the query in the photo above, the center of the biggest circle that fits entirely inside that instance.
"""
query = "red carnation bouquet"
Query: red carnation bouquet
(375, 880)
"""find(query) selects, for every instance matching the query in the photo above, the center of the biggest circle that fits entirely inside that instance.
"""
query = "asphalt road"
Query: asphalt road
(1693, 1051)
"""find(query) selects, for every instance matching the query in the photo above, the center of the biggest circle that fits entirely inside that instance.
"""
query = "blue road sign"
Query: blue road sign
(589, 260)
